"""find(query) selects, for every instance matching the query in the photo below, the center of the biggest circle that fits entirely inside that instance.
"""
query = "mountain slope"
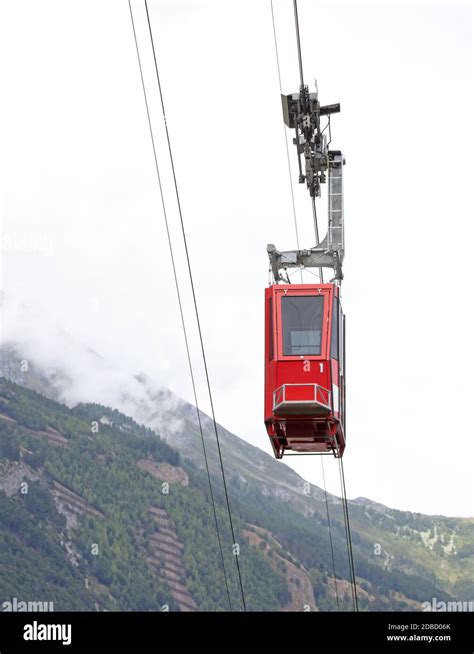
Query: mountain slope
(96, 510)
(401, 559)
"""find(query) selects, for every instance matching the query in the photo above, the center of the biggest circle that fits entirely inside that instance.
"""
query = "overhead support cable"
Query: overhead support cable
(349, 538)
(285, 137)
(330, 535)
(180, 304)
(316, 232)
(196, 310)
(343, 505)
(298, 42)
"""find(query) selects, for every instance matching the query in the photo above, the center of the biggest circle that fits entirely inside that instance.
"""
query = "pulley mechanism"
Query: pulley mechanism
(317, 164)
(302, 112)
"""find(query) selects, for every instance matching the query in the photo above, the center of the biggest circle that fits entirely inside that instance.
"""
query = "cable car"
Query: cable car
(304, 369)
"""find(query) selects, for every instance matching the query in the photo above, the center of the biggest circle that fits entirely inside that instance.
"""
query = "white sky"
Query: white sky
(83, 240)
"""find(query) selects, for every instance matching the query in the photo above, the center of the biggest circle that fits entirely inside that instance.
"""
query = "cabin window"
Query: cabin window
(302, 318)
(335, 329)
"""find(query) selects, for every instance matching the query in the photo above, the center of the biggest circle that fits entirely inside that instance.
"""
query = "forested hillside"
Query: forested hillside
(98, 512)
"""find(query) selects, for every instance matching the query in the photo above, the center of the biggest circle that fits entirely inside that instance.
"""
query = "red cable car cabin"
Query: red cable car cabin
(304, 368)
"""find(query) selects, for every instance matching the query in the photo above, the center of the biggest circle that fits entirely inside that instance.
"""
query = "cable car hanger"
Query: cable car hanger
(305, 405)
(302, 112)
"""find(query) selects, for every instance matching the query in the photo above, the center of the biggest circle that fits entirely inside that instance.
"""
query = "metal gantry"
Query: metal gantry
(317, 164)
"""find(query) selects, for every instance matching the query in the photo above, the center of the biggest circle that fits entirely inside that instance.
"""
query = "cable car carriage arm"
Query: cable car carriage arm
(329, 253)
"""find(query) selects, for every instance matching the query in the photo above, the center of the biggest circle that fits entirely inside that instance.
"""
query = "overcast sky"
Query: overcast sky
(84, 247)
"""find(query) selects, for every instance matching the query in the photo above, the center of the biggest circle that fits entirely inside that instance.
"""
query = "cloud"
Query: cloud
(80, 374)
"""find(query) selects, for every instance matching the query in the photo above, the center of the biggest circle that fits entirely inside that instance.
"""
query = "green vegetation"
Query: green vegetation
(100, 553)
(101, 468)
(32, 563)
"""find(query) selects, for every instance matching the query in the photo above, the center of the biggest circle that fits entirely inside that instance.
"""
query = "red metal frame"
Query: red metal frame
(299, 291)
(317, 427)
